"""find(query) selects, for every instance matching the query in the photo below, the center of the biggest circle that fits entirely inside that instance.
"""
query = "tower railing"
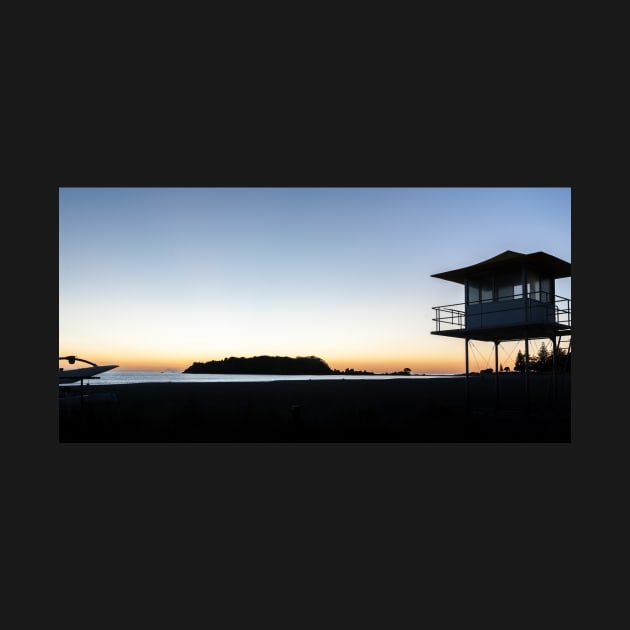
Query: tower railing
(453, 316)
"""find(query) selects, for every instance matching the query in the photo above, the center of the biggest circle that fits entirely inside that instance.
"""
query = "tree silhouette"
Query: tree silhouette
(543, 361)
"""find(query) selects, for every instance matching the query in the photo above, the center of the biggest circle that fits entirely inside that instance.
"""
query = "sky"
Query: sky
(158, 278)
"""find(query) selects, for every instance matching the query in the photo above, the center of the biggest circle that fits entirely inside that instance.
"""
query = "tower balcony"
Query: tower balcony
(535, 315)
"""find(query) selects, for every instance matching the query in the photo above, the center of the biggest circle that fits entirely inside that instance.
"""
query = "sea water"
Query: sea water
(122, 377)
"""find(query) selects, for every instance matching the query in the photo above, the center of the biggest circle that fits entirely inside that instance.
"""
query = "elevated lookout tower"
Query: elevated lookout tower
(508, 297)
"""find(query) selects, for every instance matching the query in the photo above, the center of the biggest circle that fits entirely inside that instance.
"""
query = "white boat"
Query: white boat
(79, 374)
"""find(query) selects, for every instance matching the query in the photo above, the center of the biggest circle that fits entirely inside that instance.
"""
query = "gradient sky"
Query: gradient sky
(157, 278)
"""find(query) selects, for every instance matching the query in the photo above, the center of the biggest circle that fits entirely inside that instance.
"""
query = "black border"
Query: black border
(432, 503)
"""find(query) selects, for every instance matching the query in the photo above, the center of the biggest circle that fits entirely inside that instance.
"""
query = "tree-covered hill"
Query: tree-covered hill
(262, 365)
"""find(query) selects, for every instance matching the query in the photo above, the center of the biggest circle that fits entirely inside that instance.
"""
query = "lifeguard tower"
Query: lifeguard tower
(509, 297)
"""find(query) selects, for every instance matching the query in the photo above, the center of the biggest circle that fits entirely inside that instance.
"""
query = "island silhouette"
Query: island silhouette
(276, 365)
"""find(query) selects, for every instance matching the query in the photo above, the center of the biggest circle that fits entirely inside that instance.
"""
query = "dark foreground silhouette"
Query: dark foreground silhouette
(322, 411)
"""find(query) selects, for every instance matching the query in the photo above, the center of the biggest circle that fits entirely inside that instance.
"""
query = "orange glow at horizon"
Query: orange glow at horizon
(125, 361)
(437, 355)
(432, 354)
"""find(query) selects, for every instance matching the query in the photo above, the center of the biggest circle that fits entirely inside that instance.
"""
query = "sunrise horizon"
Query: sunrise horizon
(341, 364)
(160, 278)
(417, 365)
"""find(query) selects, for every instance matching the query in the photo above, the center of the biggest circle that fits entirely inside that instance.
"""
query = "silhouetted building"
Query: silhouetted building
(509, 297)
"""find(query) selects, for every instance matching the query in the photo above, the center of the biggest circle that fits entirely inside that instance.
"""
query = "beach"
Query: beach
(510, 408)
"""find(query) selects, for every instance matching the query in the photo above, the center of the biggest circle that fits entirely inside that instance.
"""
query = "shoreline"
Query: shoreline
(356, 410)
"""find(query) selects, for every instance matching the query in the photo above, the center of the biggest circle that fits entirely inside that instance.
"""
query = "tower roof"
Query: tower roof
(546, 264)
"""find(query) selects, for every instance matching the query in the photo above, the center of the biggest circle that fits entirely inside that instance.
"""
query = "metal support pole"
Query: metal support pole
(467, 383)
(554, 367)
(496, 370)
(527, 372)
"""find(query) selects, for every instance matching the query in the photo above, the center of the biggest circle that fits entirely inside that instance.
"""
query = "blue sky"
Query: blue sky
(156, 278)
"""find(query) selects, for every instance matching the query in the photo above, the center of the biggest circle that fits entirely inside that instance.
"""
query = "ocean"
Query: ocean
(122, 377)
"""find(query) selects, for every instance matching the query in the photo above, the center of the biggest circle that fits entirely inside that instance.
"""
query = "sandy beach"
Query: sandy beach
(404, 410)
